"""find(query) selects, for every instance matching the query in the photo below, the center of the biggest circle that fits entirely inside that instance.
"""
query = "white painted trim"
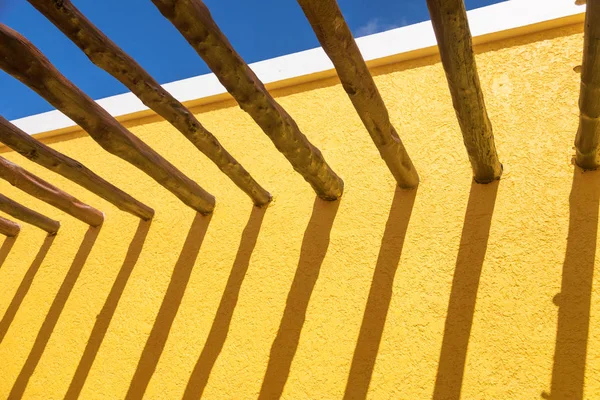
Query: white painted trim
(499, 17)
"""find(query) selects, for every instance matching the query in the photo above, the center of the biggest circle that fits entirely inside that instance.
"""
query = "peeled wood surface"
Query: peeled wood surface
(39, 188)
(193, 20)
(337, 41)
(449, 19)
(111, 58)
(587, 140)
(9, 228)
(28, 215)
(25, 62)
(47, 157)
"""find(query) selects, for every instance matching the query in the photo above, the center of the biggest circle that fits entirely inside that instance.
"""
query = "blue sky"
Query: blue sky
(257, 29)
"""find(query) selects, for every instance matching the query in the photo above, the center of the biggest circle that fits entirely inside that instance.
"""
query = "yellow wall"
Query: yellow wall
(378, 294)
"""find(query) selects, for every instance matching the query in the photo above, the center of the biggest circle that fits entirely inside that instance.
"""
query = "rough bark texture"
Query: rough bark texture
(193, 20)
(449, 19)
(111, 58)
(25, 62)
(9, 228)
(337, 41)
(47, 157)
(44, 191)
(587, 140)
(28, 215)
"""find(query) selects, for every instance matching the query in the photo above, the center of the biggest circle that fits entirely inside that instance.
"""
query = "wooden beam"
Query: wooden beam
(449, 19)
(107, 55)
(25, 62)
(39, 188)
(28, 215)
(587, 141)
(51, 159)
(336, 39)
(192, 18)
(9, 228)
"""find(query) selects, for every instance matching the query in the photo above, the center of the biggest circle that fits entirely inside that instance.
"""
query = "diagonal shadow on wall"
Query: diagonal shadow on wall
(463, 295)
(24, 286)
(108, 311)
(574, 300)
(7, 246)
(312, 254)
(220, 326)
(380, 295)
(54, 312)
(169, 307)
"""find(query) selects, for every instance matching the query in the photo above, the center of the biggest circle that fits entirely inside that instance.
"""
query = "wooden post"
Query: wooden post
(449, 19)
(39, 188)
(107, 55)
(587, 141)
(193, 20)
(28, 215)
(336, 39)
(25, 62)
(47, 157)
(9, 228)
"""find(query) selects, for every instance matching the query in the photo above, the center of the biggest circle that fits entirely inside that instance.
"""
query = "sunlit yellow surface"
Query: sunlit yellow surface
(454, 288)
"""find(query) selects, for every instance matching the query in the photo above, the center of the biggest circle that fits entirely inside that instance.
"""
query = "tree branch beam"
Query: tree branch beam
(192, 18)
(449, 19)
(22, 60)
(40, 189)
(27, 215)
(9, 228)
(59, 163)
(336, 39)
(587, 140)
(107, 55)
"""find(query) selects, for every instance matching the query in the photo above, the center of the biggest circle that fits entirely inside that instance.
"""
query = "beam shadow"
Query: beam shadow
(463, 295)
(108, 311)
(54, 312)
(574, 300)
(312, 254)
(24, 286)
(7, 246)
(380, 295)
(220, 326)
(168, 310)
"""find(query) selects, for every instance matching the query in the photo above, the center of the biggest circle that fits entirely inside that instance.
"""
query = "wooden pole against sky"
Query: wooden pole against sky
(336, 39)
(192, 18)
(449, 19)
(107, 55)
(24, 61)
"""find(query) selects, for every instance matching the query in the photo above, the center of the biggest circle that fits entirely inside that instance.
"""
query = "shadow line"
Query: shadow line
(463, 295)
(380, 295)
(312, 254)
(7, 246)
(220, 326)
(54, 312)
(108, 311)
(24, 286)
(168, 309)
(574, 300)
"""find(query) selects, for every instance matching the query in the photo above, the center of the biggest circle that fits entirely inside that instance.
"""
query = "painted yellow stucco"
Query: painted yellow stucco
(385, 294)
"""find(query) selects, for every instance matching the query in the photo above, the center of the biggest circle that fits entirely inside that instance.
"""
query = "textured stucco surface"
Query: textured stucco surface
(377, 294)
